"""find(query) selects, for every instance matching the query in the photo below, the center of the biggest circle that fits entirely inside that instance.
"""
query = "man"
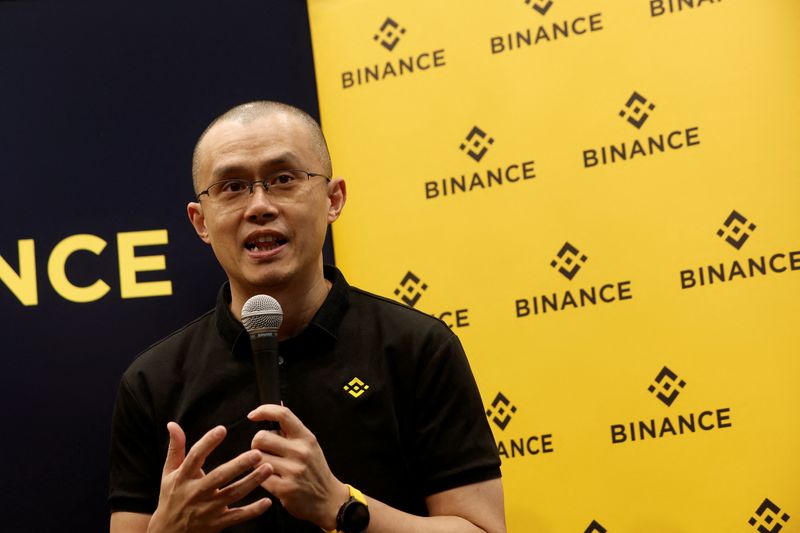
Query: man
(408, 450)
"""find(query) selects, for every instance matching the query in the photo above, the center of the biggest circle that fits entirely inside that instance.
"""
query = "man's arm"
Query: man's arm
(125, 522)
(471, 508)
(308, 489)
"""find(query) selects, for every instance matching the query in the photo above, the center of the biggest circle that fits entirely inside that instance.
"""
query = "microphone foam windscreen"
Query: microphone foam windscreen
(262, 311)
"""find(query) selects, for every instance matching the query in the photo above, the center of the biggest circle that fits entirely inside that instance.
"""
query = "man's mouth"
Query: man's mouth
(265, 243)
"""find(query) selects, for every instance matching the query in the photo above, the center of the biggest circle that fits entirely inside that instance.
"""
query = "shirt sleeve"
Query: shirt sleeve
(135, 475)
(454, 445)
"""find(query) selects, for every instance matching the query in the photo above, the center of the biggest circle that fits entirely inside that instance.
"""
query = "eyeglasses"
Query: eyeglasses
(284, 186)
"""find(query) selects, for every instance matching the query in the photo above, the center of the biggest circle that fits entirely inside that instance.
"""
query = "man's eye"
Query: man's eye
(233, 186)
(282, 179)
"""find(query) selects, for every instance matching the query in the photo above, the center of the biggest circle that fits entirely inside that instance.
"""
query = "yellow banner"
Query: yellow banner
(601, 198)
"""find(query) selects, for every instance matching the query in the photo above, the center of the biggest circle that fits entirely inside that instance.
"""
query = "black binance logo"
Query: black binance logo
(410, 289)
(541, 6)
(476, 143)
(568, 261)
(595, 527)
(665, 387)
(501, 411)
(735, 230)
(637, 110)
(389, 34)
(770, 519)
(355, 387)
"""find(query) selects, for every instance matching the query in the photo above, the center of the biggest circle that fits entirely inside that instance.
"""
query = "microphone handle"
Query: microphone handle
(264, 345)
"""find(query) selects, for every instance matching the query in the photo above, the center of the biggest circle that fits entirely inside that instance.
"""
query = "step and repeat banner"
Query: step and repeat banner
(601, 199)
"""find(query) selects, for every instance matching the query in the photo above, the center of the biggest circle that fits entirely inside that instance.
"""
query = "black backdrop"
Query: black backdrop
(100, 105)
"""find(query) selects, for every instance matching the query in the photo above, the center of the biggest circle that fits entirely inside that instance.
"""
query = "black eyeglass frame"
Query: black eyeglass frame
(252, 184)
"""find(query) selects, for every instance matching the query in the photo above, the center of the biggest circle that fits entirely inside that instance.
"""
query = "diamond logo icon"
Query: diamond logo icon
(595, 527)
(389, 34)
(667, 386)
(355, 387)
(768, 518)
(637, 110)
(476, 144)
(568, 261)
(736, 229)
(501, 411)
(410, 289)
(540, 6)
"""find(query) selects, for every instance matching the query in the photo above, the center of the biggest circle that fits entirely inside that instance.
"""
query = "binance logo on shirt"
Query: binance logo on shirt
(355, 387)
(541, 6)
(735, 229)
(595, 527)
(410, 289)
(568, 261)
(389, 34)
(478, 143)
(770, 519)
(664, 388)
(636, 109)
(502, 410)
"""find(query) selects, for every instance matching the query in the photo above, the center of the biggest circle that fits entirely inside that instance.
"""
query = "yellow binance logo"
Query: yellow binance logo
(356, 387)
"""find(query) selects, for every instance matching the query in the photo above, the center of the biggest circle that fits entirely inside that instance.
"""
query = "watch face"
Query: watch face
(355, 517)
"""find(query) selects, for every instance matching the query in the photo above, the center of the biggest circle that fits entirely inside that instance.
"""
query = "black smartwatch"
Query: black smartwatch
(353, 515)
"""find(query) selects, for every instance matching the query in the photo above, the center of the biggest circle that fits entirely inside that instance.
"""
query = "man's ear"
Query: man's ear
(337, 194)
(198, 220)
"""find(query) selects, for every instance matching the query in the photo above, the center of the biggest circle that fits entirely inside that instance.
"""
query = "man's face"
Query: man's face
(263, 244)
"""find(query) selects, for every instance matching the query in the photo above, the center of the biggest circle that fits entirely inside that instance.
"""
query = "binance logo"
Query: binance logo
(501, 411)
(410, 289)
(665, 387)
(770, 519)
(595, 527)
(637, 110)
(735, 229)
(476, 143)
(389, 34)
(568, 261)
(541, 6)
(355, 387)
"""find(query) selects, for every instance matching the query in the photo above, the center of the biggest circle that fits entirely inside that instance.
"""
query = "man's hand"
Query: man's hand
(191, 500)
(302, 479)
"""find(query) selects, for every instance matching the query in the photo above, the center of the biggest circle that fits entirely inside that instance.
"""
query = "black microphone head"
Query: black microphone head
(261, 312)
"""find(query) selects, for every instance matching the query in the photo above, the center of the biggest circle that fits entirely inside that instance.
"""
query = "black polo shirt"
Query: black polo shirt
(386, 390)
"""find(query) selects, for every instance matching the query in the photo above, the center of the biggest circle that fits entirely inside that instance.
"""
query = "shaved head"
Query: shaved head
(246, 113)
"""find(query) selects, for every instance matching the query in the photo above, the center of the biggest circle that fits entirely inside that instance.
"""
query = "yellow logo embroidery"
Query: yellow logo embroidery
(356, 387)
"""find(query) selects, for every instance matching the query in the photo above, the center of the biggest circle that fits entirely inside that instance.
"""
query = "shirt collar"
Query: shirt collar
(326, 320)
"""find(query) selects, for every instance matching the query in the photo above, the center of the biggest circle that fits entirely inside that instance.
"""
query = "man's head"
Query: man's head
(246, 113)
(265, 243)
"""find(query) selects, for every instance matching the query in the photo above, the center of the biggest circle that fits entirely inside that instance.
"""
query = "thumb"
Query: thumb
(177, 448)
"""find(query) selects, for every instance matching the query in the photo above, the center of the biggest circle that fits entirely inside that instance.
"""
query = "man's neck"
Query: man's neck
(299, 302)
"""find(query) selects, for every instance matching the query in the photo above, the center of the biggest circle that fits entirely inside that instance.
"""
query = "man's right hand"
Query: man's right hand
(191, 500)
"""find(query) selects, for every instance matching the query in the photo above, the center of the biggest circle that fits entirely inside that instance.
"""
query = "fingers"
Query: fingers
(199, 452)
(290, 424)
(237, 515)
(228, 471)
(238, 490)
(269, 442)
(177, 448)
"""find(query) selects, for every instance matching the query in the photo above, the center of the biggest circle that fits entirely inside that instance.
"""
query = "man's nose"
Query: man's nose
(260, 204)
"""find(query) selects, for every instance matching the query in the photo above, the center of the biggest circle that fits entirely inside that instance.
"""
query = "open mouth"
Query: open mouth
(264, 243)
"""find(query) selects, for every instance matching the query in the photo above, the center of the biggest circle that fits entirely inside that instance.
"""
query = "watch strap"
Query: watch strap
(355, 494)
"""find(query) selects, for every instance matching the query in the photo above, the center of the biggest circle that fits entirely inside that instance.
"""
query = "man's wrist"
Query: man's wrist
(339, 496)
(353, 514)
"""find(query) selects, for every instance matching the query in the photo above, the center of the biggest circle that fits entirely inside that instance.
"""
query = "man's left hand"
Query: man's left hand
(302, 480)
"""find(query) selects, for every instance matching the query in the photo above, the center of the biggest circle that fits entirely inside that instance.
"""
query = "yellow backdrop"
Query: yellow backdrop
(601, 198)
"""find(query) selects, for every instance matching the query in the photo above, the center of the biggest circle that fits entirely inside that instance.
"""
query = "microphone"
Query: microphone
(262, 316)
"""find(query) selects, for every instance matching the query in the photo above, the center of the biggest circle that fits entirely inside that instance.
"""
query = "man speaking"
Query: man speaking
(381, 425)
